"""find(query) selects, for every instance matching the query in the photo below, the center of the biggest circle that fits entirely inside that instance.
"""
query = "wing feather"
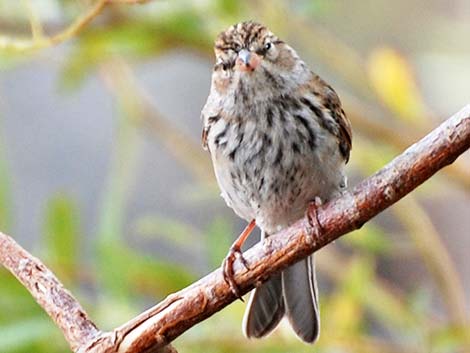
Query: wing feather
(329, 101)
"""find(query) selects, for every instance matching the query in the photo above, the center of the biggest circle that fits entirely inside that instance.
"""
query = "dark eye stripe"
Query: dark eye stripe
(262, 51)
(226, 65)
(236, 48)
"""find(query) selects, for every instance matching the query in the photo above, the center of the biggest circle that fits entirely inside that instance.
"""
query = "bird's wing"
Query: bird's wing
(210, 115)
(326, 106)
(344, 132)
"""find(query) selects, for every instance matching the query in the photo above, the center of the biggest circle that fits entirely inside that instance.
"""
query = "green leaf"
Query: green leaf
(133, 40)
(219, 237)
(449, 339)
(5, 196)
(420, 303)
(15, 300)
(393, 79)
(370, 157)
(128, 271)
(360, 273)
(314, 8)
(229, 9)
(370, 239)
(61, 234)
(171, 230)
(10, 59)
(393, 313)
(108, 241)
(21, 334)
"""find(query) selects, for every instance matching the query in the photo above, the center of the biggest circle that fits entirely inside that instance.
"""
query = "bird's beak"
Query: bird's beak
(247, 61)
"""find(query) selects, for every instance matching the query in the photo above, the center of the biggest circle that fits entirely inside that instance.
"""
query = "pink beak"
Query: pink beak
(247, 61)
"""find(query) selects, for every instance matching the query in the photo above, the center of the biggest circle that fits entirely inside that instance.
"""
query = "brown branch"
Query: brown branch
(47, 290)
(152, 330)
(395, 135)
(56, 301)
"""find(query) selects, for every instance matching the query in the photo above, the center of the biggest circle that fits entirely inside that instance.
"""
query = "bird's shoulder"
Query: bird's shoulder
(210, 114)
(325, 102)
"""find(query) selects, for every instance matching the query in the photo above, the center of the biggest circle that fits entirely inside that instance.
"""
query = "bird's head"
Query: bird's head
(251, 48)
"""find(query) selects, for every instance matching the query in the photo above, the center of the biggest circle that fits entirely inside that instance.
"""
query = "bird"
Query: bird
(279, 139)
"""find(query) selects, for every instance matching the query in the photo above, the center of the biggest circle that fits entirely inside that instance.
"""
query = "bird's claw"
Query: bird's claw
(227, 269)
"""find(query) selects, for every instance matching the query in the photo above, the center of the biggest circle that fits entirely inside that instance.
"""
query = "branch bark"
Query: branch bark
(47, 290)
(152, 330)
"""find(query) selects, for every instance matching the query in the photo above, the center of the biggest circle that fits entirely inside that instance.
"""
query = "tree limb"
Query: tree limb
(152, 330)
(47, 290)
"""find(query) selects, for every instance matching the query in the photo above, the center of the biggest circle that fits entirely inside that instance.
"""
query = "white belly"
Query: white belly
(269, 181)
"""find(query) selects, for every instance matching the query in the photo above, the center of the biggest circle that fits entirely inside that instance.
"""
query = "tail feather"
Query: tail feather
(292, 293)
(301, 299)
(265, 309)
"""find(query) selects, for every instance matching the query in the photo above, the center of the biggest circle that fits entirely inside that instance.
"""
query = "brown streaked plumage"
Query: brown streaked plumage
(278, 139)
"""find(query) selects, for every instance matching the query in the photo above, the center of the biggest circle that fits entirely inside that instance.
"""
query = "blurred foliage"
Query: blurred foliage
(135, 40)
(392, 79)
(363, 312)
(61, 235)
(5, 214)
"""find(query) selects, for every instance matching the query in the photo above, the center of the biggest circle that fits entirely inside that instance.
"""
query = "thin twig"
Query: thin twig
(395, 135)
(21, 45)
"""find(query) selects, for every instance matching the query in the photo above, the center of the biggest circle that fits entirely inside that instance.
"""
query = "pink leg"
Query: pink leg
(234, 252)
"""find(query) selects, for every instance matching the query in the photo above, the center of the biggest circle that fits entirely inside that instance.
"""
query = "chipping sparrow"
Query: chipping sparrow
(278, 139)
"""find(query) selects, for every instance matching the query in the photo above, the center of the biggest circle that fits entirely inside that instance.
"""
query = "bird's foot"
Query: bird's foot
(234, 253)
(227, 268)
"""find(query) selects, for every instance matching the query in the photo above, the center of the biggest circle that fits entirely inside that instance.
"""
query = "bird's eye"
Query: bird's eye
(268, 46)
(236, 48)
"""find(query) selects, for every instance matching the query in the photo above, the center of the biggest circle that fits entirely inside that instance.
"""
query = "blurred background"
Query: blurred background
(103, 177)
